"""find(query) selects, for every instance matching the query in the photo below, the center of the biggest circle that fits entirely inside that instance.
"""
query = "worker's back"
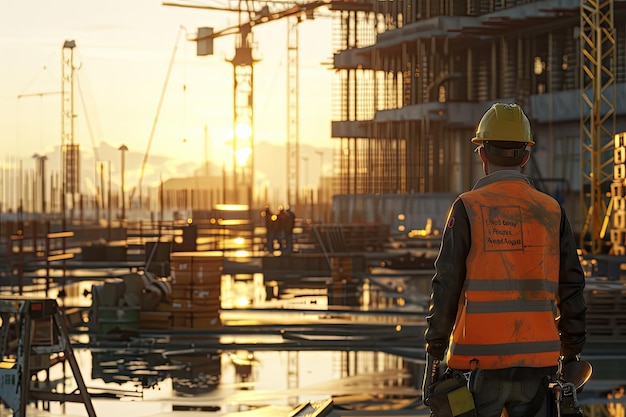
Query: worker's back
(512, 278)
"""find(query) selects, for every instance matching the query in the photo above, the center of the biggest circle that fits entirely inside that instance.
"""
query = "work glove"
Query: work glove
(431, 375)
(436, 349)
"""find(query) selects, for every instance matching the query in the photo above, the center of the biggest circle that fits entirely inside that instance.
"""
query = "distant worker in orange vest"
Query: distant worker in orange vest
(507, 294)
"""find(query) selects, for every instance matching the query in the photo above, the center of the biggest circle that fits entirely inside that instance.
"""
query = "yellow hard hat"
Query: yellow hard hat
(504, 122)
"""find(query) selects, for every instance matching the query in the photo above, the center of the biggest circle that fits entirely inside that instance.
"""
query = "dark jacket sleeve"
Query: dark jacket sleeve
(447, 283)
(570, 298)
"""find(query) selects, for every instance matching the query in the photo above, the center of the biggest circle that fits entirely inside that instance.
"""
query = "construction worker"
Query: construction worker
(507, 267)
(270, 228)
(290, 222)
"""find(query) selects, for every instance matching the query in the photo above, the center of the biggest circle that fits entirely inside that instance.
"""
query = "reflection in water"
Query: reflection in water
(244, 362)
(191, 374)
(197, 374)
(148, 385)
(232, 380)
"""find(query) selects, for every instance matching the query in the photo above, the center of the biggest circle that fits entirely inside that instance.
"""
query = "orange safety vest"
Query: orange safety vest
(507, 310)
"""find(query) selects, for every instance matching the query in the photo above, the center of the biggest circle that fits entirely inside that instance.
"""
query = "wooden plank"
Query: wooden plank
(57, 235)
(60, 257)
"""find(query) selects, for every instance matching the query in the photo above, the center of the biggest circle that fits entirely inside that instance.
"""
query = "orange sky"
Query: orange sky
(123, 52)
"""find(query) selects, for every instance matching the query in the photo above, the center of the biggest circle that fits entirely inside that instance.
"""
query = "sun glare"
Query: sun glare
(243, 131)
(242, 155)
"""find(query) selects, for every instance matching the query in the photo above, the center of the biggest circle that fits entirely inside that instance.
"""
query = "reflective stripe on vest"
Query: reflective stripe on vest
(507, 311)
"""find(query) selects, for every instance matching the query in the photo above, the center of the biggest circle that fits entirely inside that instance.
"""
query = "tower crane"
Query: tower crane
(603, 154)
(250, 15)
(70, 149)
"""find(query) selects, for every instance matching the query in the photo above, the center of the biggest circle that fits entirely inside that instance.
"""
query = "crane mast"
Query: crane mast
(598, 141)
(293, 118)
(69, 149)
(243, 108)
(243, 114)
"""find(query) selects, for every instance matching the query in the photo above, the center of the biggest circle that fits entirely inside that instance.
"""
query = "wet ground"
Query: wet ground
(278, 355)
(266, 393)
(257, 381)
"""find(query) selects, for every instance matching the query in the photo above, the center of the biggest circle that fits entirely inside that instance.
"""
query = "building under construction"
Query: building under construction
(414, 78)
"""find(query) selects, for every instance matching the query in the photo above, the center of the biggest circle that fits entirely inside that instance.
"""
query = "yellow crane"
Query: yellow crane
(603, 154)
(253, 13)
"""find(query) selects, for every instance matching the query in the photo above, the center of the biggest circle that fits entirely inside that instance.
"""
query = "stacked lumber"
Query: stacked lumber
(196, 285)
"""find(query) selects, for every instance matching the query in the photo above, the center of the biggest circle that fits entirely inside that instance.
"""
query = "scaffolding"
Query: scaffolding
(413, 78)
